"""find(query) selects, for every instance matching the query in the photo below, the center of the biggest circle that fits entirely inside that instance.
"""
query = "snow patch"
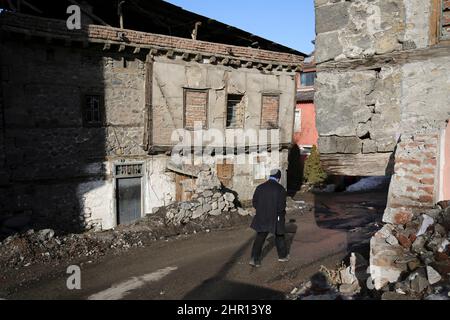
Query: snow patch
(366, 184)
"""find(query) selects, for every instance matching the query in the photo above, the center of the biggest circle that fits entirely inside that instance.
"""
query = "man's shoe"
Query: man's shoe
(255, 264)
(284, 259)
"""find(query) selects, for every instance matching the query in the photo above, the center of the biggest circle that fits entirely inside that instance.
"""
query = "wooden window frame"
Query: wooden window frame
(226, 112)
(102, 121)
(185, 91)
(268, 94)
(436, 23)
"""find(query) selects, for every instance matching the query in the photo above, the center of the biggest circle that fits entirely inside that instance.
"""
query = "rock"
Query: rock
(214, 205)
(414, 264)
(435, 243)
(443, 246)
(45, 235)
(222, 205)
(439, 229)
(418, 246)
(242, 212)
(185, 206)
(427, 221)
(229, 197)
(392, 240)
(427, 257)
(434, 213)
(433, 276)
(347, 277)
(198, 213)
(418, 281)
(404, 241)
(215, 213)
(217, 195)
(350, 289)
(207, 208)
(208, 194)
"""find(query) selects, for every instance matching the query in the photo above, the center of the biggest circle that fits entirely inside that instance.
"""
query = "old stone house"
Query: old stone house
(88, 116)
(383, 101)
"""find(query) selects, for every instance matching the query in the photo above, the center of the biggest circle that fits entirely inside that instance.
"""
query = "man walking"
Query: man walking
(269, 201)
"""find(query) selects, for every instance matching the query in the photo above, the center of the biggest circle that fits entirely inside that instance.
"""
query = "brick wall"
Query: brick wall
(95, 33)
(196, 104)
(270, 111)
(413, 184)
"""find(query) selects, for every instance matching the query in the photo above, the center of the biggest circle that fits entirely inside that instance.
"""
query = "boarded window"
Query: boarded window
(270, 111)
(225, 172)
(445, 20)
(235, 111)
(93, 110)
(195, 108)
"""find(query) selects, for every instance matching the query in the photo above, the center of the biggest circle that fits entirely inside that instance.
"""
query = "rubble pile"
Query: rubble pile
(23, 250)
(343, 283)
(411, 259)
(208, 199)
(209, 203)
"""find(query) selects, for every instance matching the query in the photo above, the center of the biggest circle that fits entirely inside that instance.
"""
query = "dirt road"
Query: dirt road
(215, 265)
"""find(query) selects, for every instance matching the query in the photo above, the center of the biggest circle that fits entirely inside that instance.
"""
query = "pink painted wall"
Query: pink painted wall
(446, 167)
(308, 134)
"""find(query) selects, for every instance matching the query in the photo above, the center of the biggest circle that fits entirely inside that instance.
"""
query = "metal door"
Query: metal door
(128, 200)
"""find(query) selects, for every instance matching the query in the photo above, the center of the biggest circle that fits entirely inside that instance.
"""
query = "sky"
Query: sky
(287, 22)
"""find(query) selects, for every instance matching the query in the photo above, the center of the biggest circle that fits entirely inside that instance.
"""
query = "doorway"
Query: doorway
(128, 193)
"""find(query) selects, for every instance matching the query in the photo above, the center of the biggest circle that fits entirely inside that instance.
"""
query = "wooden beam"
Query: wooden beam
(106, 46)
(371, 164)
(148, 110)
(137, 50)
(170, 54)
(121, 48)
(213, 59)
(198, 57)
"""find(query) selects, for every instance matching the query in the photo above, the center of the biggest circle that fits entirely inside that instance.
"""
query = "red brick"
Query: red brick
(427, 199)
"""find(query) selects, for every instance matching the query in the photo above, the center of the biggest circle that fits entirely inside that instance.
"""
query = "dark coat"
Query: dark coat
(269, 201)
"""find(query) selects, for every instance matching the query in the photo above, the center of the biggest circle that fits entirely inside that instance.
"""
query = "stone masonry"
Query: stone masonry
(382, 98)
(382, 73)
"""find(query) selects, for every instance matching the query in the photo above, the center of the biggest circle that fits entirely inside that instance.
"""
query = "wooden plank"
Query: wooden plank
(148, 111)
(373, 164)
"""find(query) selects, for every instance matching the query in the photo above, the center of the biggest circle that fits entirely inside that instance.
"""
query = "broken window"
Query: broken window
(93, 110)
(307, 79)
(195, 108)
(445, 20)
(270, 111)
(235, 111)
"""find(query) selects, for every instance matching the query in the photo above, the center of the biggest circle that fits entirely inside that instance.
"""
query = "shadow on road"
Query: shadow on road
(220, 288)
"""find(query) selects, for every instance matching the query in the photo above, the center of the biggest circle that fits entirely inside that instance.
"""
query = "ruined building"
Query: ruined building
(88, 116)
(383, 101)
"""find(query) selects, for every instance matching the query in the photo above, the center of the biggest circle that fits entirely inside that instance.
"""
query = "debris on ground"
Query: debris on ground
(412, 259)
(31, 247)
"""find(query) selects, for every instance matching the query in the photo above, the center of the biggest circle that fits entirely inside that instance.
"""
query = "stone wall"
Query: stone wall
(379, 77)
